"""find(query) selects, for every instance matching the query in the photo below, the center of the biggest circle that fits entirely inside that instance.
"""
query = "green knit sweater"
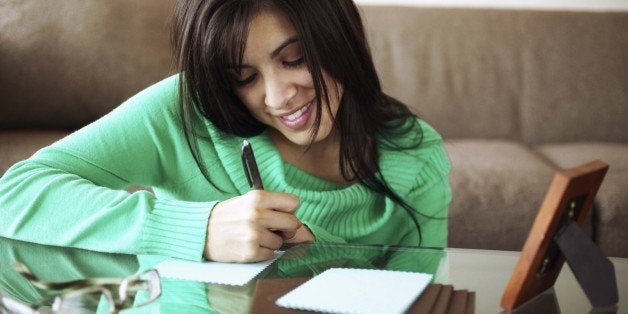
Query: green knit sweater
(72, 193)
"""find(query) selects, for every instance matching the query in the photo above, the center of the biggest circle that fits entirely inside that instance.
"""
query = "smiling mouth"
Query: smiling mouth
(296, 115)
(298, 119)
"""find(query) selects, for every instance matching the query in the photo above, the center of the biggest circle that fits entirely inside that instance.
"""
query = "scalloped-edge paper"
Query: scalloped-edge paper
(350, 290)
(236, 274)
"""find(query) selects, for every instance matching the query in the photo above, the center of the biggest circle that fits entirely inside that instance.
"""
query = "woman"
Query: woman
(341, 161)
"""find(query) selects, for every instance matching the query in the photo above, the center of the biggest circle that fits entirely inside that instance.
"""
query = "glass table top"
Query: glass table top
(485, 272)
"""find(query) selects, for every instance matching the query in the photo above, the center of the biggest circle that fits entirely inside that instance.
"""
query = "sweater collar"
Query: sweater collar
(273, 169)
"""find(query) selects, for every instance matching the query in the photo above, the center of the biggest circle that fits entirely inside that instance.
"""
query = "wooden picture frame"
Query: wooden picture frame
(570, 196)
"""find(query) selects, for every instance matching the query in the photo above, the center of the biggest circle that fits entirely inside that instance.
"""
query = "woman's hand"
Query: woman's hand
(250, 227)
(302, 235)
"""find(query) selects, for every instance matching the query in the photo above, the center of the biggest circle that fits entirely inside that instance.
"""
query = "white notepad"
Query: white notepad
(343, 290)
(213, 272)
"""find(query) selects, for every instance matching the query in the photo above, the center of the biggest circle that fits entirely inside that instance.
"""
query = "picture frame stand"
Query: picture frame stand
(556, 235)
(593, 270)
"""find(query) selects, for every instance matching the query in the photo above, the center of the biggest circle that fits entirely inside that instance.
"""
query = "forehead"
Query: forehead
(267, 30)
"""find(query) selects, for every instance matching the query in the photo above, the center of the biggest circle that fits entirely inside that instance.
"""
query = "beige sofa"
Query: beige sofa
(517, 94)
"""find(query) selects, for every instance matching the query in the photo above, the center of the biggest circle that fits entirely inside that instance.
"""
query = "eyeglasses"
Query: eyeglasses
(120, 293)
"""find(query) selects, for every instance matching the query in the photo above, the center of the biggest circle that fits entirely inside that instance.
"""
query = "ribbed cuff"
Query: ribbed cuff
(177, 229)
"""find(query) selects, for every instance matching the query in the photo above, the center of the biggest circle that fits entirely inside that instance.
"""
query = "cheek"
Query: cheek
(250, 101)
(335, 91)
(305, 79)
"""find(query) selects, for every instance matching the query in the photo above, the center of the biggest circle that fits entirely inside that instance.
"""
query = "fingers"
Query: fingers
(301, 235)
(241, 245)
(273, 210)
(288, 235)
(283, 202)
(277, 221)
(250, 227)
(270, 240)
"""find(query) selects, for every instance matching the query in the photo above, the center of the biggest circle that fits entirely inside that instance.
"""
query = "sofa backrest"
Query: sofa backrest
(530, 75)
(64, 63)
(536, 76)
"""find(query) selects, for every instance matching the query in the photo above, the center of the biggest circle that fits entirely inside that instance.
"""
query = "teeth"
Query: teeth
(297, 114)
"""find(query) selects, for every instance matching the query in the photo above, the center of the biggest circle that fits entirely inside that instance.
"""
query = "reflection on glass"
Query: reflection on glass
(545, 302)
(57, 265)
(309, 260)
(312, 259)
(119, 293)
(57, 268)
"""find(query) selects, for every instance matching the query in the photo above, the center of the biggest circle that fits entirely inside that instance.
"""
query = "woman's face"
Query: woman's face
(275, 84)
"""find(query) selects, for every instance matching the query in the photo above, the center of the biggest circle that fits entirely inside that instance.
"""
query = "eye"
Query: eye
(245, 81)
(293, 64)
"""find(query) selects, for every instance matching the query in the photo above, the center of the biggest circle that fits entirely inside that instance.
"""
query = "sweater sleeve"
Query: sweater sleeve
(432, 207)
(421, 178)
(72, 192)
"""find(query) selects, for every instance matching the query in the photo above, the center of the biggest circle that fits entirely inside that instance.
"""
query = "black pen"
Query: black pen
(250, 166)
(252, 173)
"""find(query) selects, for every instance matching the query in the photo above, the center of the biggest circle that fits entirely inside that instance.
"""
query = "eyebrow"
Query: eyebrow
(283, 45)
(273, 54)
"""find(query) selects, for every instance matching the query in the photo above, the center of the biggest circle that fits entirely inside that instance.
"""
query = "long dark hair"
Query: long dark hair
(209, 35)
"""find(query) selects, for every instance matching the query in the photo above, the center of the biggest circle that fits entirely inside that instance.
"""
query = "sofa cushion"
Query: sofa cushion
(531, 75)
(611, 203)
(65, 63)
(18, 145)
(575, 82)
(452, 66)
(498, 187)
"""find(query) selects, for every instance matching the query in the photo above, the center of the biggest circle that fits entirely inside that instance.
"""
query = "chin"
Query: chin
(300, 140)
(307, 140)
(303, 137)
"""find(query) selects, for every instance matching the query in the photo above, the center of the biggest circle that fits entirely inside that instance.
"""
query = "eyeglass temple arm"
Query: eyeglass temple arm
(74, 284)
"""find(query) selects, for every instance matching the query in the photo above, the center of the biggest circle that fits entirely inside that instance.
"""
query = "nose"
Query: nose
(279, 91)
